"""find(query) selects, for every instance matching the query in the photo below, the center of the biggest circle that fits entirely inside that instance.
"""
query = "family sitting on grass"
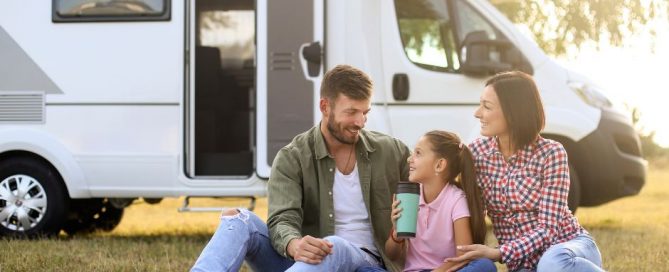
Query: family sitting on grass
(332, 205)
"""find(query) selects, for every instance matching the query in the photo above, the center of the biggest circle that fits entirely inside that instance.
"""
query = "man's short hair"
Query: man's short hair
(346, 80)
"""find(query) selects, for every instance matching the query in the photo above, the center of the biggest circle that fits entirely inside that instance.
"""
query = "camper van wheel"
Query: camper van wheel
(574, 198)
(33, 201)
(89, 215)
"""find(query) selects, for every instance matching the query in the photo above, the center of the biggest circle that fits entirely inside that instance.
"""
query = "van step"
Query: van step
(187, 208)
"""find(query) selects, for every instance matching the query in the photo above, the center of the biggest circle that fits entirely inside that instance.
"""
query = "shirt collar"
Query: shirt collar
(321, 149)
(523, 154)
(436, 203)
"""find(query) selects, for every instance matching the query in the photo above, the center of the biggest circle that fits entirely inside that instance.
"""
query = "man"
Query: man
(330, 192)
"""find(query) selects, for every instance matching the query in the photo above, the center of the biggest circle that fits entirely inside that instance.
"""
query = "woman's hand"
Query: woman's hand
(473, 252)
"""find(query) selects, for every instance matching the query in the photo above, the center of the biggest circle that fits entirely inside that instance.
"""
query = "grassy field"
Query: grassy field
(632, 234)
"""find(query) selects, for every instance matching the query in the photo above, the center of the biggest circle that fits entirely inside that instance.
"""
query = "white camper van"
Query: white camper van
(106, 101)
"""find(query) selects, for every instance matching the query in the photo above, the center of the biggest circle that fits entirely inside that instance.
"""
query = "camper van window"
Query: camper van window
(427, 34)
(110, 10)
(469, 20)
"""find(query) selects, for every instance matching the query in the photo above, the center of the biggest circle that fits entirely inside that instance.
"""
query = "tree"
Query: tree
(649, 148)
(557, 24)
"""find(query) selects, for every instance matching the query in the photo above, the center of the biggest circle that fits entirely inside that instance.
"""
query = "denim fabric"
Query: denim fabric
(240, 237)
(244, 237)
(345, 257)
(576, 255)
(478, 265)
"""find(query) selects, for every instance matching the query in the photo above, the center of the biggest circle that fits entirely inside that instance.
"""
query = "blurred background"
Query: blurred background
(622, 44)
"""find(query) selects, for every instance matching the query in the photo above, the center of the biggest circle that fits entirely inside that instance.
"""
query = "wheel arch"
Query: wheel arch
(42, 146)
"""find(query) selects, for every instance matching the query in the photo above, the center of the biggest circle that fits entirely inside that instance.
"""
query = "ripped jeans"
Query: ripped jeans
(244, 237)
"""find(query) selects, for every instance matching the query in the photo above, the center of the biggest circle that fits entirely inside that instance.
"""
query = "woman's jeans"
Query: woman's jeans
(578, 254)
(244, 237)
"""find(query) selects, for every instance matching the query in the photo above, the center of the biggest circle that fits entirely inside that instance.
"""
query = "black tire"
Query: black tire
(45, 185)
(90, 215)
(574, 199)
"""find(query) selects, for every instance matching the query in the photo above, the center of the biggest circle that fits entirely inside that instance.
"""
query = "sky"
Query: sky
(636, 74)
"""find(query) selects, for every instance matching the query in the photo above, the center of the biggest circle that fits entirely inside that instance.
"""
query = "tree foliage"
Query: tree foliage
(558, 24)
(649, 148)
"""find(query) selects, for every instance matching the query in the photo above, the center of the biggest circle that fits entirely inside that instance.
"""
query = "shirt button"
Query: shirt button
(330, 215)
(330, 169)
(330, 193)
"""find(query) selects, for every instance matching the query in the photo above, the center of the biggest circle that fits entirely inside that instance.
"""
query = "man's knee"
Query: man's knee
(340, 246)
(335, 240)
(230, 212)
(248, 218)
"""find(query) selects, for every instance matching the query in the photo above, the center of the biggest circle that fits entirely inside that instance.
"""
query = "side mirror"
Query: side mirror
(483, 56)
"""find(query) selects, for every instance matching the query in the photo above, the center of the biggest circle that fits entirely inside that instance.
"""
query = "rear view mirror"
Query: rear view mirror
(482, 56)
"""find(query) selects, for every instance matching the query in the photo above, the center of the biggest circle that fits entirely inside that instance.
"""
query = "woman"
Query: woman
(525, 184)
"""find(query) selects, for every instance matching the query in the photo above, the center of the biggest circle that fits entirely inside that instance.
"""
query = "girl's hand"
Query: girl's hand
(396, 212)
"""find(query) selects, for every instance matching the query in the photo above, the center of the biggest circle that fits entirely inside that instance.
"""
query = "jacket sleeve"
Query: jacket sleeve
(404, 164)
(285, 200)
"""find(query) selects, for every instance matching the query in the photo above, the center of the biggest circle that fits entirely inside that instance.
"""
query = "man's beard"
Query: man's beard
(337, 132)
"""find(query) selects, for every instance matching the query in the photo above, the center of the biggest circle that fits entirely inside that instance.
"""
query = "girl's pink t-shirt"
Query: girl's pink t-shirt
(435, 239)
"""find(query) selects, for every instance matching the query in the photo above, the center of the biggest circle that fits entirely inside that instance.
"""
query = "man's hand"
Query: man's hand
(309, 249)
(473, 252)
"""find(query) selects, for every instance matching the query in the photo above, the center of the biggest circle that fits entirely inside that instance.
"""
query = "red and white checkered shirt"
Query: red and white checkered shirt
(526, 198)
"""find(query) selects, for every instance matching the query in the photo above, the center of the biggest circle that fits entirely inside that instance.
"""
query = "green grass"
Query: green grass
(632, 234)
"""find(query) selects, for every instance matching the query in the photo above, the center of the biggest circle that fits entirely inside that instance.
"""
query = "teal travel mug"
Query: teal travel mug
(408, 194)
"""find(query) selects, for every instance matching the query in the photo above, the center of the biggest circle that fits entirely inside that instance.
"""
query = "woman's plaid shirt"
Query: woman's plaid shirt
(526, 198)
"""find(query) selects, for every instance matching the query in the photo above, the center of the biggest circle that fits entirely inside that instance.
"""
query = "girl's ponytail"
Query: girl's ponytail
(462, 173)
(474, 199)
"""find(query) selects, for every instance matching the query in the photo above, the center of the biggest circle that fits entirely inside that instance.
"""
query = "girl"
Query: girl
(450, 208)
(525, 181)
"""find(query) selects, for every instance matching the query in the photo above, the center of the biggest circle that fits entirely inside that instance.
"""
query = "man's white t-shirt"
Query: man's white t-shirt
(351, 218)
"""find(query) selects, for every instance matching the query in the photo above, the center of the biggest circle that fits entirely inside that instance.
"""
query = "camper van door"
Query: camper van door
(422, 61)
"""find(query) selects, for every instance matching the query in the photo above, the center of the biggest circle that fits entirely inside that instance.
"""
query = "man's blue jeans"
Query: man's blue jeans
(244, 237)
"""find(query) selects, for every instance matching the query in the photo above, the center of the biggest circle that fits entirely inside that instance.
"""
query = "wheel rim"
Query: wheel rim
(22, 203)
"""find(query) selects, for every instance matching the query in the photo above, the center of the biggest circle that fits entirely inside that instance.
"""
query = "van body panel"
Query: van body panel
(566, 113)
(94, 62)
(36, 140)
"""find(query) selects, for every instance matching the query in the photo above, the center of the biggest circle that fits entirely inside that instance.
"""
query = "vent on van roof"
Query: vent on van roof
(21, 107)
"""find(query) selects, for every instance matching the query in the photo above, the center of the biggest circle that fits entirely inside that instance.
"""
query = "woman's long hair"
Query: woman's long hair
(461, 172)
